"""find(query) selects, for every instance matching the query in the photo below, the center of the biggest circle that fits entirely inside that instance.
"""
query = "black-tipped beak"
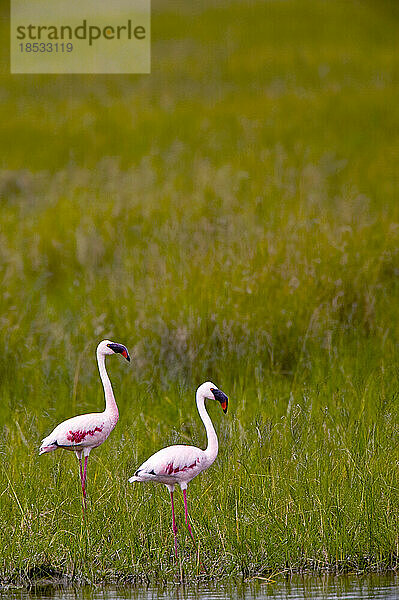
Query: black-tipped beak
(120, 349)
(221, 397)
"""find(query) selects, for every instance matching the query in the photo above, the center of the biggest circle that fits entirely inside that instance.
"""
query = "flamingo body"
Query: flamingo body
(180, 464)
(80, 434)
(84, 432)
(173, 465)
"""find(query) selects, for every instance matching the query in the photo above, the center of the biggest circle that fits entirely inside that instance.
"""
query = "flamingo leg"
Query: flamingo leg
(80, 470)
(84, 479)
(174, 522)
(82, 484)
(189, 529)
(186, 515)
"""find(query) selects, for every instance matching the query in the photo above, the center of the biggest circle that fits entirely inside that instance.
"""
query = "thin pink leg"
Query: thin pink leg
(186, 514)
(189, 528)
(174, 523)
(81, 472)
(84, 478)
(83, 486)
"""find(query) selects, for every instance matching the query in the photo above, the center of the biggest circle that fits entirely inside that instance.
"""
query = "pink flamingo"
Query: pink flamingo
(180, 464)
(83, 433)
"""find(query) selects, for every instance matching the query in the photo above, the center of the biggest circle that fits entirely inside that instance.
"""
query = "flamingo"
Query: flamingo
(180, 464)
(83, 433)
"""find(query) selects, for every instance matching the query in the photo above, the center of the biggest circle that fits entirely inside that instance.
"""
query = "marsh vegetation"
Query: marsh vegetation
(232, 217)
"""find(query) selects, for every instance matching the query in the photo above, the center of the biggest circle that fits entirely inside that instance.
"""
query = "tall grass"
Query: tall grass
(231, 217)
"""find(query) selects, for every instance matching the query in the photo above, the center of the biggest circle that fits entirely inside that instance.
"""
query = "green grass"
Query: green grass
(233, 216)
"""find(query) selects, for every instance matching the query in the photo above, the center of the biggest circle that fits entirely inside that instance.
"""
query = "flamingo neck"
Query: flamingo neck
(111, 408)
(213, 446)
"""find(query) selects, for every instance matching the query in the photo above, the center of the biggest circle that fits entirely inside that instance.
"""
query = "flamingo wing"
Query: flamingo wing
(176, 462)
(77, 432)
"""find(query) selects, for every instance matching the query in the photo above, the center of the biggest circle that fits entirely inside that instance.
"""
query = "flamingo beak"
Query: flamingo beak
(119, 349)
(222, 398)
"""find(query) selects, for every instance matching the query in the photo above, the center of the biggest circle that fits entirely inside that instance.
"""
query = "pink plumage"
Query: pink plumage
(83, 433)
(180, 464)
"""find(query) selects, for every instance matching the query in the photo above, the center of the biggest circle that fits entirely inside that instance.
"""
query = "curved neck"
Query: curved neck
(213, 446)
(110, 405)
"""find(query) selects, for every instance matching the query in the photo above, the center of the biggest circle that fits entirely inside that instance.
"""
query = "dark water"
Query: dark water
(295, 588)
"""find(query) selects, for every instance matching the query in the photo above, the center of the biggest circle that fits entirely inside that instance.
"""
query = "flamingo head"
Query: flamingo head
(108, 347)
(210, 391)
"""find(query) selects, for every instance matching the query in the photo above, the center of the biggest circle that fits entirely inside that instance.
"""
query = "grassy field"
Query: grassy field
(234, 216)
